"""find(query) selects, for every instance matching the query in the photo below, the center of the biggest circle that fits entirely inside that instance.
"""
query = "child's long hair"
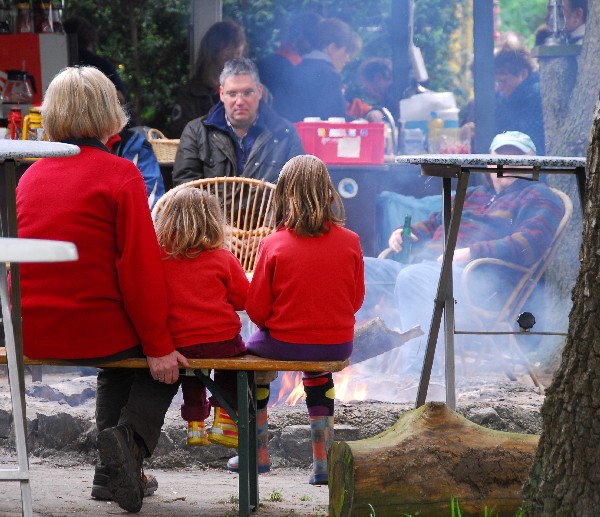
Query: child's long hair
(190, 221)
(305, 199)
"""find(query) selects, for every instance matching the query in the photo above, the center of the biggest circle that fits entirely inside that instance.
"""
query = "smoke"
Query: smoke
(392, 376)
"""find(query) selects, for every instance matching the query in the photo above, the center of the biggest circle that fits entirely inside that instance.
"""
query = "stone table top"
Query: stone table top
(17, 149)
(494, 159)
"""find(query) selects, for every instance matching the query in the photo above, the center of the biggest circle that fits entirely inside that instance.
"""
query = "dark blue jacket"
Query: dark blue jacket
(522, 111)
(137, 149)
(317, 91)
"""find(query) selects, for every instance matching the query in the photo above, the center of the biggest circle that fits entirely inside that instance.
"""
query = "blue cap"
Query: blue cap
(514, 139)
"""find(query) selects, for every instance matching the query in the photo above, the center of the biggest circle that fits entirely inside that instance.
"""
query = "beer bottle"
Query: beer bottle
(404, 255)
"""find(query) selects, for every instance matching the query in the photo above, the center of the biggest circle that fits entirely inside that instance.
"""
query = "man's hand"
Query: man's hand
(395, 240)
(461, 256)
(166, 368)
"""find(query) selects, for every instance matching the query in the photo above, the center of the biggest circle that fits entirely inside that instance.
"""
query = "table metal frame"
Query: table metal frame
(460, 167)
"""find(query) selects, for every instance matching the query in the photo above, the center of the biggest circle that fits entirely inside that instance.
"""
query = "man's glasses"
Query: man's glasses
(246, 94)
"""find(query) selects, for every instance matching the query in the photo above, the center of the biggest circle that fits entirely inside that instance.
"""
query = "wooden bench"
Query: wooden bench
(245, 419)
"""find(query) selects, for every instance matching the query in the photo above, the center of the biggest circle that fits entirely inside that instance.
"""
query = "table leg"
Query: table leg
(444, 290)
(10, 181)
(20, 474)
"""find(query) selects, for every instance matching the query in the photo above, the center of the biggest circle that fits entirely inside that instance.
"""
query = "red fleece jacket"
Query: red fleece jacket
(307, 289)
(114, 297)
(203, 295)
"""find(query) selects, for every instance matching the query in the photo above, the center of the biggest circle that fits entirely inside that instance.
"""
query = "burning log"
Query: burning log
(374, 338)
(429, 456)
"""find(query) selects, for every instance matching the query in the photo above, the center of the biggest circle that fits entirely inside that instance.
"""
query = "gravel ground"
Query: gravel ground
(61, 480)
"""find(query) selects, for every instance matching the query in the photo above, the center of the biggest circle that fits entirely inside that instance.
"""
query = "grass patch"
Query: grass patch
(275, 497)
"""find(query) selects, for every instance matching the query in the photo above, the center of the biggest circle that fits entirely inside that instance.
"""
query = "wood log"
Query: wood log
(432, 454)
(374, 338)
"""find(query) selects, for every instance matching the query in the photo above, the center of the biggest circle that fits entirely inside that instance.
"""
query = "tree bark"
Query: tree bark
(569, 91)
(429, 456)
(565, 477)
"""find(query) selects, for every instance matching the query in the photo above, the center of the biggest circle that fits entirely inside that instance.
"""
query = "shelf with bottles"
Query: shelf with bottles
(31, 16)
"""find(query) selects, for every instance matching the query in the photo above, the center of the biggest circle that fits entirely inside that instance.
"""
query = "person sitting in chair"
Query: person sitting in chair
(506, 218)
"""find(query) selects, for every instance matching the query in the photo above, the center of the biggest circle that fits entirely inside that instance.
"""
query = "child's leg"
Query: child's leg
(320, 395)
(195, 410)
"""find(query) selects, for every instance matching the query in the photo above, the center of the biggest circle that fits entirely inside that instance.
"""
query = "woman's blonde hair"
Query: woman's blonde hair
(81, 102)
(305, 199)
(190, 221)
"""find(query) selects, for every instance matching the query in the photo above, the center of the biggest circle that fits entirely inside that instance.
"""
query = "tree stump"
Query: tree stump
(429, 456)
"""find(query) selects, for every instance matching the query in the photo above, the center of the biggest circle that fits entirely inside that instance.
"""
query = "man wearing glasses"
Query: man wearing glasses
(240, 136)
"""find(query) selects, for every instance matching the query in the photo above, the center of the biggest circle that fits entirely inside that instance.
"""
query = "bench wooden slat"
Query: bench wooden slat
(244, 362)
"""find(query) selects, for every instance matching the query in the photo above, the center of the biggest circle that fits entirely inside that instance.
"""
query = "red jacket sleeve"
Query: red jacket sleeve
(140, 273)
(360, 282)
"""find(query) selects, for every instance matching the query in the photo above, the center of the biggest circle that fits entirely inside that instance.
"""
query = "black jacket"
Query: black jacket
(207, 151)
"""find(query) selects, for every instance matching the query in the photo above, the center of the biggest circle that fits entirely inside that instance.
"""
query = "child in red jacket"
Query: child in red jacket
(307, 285)
(206, 285)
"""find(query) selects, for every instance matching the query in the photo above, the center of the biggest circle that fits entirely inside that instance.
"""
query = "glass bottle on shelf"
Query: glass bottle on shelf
(15, 123)
(24, 23)
(57, 9)
(404, 254)
(42, 16)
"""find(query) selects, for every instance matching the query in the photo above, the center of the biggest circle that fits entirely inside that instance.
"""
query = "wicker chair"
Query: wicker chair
(526, 280)
(247, 206)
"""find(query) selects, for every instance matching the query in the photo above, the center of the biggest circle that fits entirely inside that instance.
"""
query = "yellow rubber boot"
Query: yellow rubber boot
(196, 433)
(223, 431)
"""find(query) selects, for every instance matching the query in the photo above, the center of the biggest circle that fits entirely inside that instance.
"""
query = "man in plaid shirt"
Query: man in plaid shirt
(506, 218)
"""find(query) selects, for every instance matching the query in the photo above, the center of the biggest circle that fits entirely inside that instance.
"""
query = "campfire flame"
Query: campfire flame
(291, 391)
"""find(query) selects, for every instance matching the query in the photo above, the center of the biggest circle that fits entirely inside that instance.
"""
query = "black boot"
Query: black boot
(123, 457)
(100, 483)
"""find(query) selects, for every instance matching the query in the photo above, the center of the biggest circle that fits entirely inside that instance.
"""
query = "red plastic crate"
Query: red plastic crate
(341, 143)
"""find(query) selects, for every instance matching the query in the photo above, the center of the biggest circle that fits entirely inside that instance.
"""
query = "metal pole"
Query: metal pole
(483, 73)
(400, 38)
(204, 14)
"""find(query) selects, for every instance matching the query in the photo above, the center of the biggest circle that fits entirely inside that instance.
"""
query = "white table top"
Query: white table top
(494, 159)
(36, 250)
(17, 149)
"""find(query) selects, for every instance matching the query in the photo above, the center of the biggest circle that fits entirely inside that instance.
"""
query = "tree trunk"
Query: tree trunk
(565, 477)
(429, 456)
(569, 91)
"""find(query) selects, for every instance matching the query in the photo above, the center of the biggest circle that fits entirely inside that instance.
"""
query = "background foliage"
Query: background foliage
(523, 17)
(148, 41)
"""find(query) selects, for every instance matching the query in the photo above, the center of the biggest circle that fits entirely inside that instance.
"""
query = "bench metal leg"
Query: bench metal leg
(247, 444)
(20, 474)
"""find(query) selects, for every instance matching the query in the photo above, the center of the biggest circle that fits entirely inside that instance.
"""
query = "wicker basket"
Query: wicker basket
(164, 148)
